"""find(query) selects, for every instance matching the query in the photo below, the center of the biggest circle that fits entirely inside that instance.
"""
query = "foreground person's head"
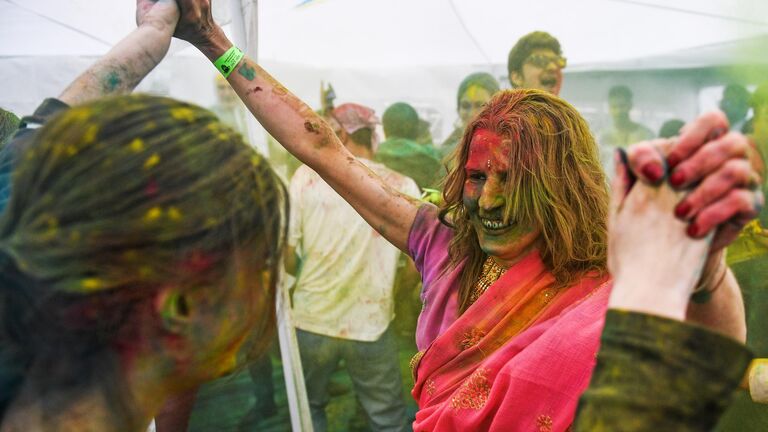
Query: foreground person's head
(527, 176)
(138, 251)
(536, 61)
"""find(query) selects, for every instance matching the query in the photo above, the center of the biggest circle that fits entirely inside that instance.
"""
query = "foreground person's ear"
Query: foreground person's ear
(174, 309)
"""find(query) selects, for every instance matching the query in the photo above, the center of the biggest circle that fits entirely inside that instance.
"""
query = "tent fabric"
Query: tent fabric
(377, 52)
(404, 33)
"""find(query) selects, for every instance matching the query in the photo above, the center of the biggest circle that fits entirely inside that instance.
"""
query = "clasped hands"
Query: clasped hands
(694, 195)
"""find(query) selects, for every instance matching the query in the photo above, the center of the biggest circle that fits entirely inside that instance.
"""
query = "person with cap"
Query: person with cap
(343, 300)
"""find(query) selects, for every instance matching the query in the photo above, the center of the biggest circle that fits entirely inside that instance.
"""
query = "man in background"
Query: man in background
(536, 61)
(343, 300)
(401, 152)
(623, 131)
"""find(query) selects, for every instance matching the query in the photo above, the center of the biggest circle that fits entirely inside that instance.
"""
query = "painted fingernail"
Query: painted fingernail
(682, 210)
(677, 178)
(693, 230)
(673, 160)
(717, 133)
(653, 172)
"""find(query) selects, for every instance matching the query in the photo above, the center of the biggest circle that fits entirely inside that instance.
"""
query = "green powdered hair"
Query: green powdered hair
(112, 200)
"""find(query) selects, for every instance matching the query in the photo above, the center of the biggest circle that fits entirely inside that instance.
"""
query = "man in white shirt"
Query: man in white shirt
(343, 299)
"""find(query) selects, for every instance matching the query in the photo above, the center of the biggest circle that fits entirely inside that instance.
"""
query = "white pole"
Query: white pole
(244, 15)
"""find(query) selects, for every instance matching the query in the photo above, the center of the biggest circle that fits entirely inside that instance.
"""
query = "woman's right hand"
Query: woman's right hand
(654, 263)
(196, 25)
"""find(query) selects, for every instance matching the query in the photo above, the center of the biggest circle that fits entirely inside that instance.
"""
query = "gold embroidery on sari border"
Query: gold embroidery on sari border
(430, 385)
(474, 392)
(544, 422)
(414, 363)
(471, 338)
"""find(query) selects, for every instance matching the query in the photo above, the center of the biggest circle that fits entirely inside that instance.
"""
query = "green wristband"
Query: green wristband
(228, 61)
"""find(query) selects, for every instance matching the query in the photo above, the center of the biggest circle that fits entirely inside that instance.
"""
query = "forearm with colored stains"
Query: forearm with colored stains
(122, 68)
(308, 137)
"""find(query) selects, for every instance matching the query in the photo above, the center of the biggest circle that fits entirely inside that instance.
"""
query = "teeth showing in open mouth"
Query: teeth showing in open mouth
(494, 224)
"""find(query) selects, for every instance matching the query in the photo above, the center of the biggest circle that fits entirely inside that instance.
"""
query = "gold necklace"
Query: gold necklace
(490, 274)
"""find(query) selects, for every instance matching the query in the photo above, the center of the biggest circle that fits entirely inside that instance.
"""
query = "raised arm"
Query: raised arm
(128, 62)
(302, 132)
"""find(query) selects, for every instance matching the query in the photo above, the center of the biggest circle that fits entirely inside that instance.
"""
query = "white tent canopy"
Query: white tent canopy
(377, 52)
(406, 33)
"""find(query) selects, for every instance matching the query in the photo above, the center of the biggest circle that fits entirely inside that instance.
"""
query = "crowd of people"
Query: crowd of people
(142, 239)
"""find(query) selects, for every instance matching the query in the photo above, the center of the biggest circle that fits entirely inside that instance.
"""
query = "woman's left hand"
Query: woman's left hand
(196, 25)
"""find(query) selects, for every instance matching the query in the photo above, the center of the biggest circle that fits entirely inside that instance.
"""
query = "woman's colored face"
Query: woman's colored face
(471, 102)
(227, 313)
(486, 175)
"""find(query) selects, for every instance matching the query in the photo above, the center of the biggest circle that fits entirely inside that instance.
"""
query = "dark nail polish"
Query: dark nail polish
(677, 178)
(682, 210)
(653, 172)
(673, 160)
(716, 134)
(693, 230)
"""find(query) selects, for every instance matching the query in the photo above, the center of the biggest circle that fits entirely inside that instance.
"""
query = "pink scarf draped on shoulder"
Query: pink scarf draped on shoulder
(517, 360)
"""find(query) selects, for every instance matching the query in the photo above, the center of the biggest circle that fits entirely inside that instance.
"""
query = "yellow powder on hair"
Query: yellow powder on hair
(90, 134)
(153, 214)
(92, 284)
(137, 145)
(183, 114)
(152, 161)
(174, 214)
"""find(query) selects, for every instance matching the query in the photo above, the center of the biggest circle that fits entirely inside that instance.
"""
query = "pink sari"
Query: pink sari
(517, 360)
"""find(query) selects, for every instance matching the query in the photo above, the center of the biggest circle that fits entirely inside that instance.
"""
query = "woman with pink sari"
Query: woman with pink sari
(514, 264)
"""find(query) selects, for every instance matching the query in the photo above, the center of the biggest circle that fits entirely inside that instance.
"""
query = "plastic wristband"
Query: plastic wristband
(228, 61)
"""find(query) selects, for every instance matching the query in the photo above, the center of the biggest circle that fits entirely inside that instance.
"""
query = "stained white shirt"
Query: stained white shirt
(345, 284)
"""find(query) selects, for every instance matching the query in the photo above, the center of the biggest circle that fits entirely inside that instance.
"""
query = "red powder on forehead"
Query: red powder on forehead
(488, 150)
